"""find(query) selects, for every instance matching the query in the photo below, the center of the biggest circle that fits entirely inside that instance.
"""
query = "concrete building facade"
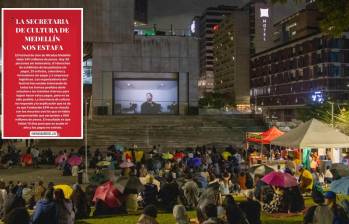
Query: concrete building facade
(117, 53)
(234, 43)
(310, 70)
(231, 51)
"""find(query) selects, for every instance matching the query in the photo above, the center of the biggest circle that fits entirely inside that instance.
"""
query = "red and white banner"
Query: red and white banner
(42, 73)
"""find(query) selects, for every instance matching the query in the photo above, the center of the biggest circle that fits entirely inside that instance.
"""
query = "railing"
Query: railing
(138, 107)
(153, 30)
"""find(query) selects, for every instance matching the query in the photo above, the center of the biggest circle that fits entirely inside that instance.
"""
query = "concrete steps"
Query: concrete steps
(168, 131)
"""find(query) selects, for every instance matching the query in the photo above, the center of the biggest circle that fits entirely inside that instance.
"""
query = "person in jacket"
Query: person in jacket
(65, 213)
(211, 215)
(3, 197)
(251, 208)
(340, 217)
(39, 191)
(149, 215)
(169, 194)
(80, 203)
(180, 214)
(233, 212)
(13, 201)
(150, 193)
(319, 213)
(191, 192)
(18, 216)
(45, 210)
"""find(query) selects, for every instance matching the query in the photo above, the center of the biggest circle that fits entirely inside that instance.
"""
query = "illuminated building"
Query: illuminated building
(305, 67)
(234, 42)
(204, 30)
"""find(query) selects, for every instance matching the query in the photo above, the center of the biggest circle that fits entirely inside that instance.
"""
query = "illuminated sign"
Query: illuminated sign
(264, 14)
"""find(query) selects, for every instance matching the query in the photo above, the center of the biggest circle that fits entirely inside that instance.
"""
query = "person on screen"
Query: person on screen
(150, 107)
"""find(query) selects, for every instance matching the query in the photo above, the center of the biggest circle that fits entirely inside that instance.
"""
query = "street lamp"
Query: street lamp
(86, 156)
(332, 113)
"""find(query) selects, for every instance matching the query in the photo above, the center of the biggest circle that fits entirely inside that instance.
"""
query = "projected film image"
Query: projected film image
(145, 97)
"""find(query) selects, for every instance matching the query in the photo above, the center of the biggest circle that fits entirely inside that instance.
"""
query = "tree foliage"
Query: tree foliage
(323, 112)
(335, 12)
(216, 100)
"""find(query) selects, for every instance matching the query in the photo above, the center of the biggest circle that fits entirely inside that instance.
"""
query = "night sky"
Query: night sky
(181, 12)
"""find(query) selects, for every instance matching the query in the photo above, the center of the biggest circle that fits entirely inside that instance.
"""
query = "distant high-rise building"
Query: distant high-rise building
(206, 25)
(234, 43)
(141, 11)
(231, 51)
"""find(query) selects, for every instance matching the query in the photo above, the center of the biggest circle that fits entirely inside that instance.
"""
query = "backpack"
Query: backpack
(323, 215)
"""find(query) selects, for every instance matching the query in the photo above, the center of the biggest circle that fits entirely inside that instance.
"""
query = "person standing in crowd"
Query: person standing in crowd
(35, 154)
(225, 184)
(320, 213)
(149, 215)
(305, 180)
(328, 176)
(3, 197)
(180, 214)
(191, 191)
(251, 208)
(13, 201)
(242, 181)
(80, 203)
(211, 214)
(340, 217)
(18, 216)
(233, 213)
(45, 210)
(169, 193)
(64, 207)
(39, 190)
(150, 192)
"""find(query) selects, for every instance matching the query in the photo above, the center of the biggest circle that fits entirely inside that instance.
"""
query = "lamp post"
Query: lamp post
(86, 156)
(332, 113)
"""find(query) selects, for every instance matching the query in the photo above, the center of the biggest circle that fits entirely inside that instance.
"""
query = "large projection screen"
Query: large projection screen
(145, 96)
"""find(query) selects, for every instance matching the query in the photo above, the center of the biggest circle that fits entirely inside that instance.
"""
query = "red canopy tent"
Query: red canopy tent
(267, 136)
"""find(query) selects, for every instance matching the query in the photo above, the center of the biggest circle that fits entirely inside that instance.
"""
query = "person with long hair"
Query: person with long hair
(64, 206)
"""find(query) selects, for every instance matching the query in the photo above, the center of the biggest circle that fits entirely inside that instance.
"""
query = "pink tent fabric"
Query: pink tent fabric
(267, 136)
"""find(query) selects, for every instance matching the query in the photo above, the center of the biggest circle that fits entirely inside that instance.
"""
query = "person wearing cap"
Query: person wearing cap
(149, 215)
(319, 213)
(340, 217)
(251, 208)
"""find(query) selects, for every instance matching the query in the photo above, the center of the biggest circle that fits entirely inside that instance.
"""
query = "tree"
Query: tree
(323, 112)
(335, 12)
(216, 100)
